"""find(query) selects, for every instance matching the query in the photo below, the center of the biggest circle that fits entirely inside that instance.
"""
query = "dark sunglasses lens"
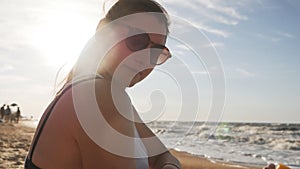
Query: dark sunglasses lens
(138, 42)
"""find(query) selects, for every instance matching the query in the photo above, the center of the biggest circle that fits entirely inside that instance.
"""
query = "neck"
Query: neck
(114, 82)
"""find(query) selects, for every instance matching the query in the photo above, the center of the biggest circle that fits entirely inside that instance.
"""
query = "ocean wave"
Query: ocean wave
(247, 142)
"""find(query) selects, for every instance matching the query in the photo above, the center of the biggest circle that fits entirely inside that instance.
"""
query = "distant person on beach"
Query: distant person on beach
(69, 135)
(2, 109)
(18, 114)
(15, 116)
(7, 113)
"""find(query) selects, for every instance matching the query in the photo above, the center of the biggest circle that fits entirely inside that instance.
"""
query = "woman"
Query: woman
(64, 140)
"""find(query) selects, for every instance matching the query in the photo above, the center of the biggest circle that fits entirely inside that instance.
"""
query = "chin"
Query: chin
(137, 78)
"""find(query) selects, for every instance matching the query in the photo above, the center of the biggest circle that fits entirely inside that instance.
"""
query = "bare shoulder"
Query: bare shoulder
(90, 100)
(63, 113)
(80, 98)
(72, 101)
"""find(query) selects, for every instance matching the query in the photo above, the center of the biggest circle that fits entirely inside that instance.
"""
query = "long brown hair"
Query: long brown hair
(127, 7)
(123, 8)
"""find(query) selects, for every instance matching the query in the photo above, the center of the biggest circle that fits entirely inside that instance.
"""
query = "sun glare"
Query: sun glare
(61, 37)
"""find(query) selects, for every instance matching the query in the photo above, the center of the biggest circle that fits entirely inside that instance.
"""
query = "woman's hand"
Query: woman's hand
(167, 161)
(170, 166)
(270, 166)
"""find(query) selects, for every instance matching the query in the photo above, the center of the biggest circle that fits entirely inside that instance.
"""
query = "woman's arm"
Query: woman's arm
(165, 160)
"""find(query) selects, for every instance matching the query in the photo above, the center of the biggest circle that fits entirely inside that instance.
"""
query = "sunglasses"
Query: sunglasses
(158, 53)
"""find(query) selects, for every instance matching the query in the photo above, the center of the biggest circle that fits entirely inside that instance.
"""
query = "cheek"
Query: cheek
(116, 55)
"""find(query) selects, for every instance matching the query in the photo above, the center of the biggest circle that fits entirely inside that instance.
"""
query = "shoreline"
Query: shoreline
(15, 141)
(190, 161)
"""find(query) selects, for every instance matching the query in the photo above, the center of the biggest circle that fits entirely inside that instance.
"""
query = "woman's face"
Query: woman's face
(132, 64)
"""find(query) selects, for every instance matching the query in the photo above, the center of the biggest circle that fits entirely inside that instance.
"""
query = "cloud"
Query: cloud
(183, 47)
(200, 72)
(215, 12)
(268, 37)
(12, 79)
(224, 9)
(275, 36)
(211, 30)
(214, 44)
(245, 73)
(285, 34)
(6, 67)
(209, 13)
(223, 20)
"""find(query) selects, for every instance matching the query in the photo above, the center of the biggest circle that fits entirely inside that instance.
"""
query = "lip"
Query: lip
(137, 78)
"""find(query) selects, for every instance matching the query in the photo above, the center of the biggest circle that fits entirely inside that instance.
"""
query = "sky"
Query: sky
(256, 43)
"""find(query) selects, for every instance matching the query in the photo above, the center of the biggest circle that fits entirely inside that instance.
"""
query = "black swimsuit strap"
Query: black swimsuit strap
(52, 105)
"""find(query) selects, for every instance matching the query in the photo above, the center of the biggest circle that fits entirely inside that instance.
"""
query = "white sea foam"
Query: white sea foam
(249, 143)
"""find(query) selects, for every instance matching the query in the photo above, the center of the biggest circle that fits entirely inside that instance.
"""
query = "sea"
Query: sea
(253, 144)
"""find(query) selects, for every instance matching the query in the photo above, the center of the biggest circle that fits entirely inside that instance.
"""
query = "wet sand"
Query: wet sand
(189, 161)
(15, 140)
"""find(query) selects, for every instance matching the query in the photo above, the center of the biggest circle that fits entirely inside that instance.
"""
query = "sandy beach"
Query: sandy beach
(16, 139)
(14, 143)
